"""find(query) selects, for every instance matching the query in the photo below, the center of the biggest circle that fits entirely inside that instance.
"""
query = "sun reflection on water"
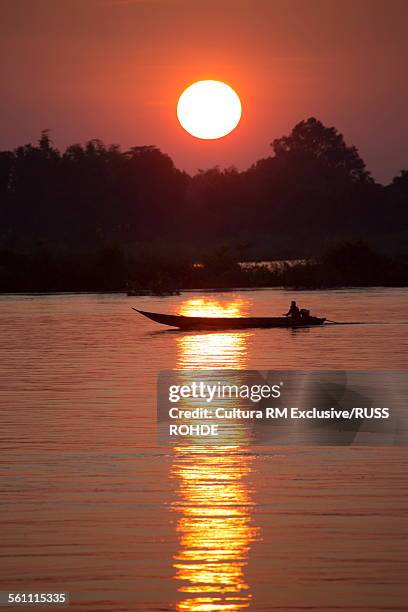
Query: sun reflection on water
(213, 349)
(201, 351)
(215, 527)
(203, 307)
(214, 494)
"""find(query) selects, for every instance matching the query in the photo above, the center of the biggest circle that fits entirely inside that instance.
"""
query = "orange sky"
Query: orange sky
(113, 69)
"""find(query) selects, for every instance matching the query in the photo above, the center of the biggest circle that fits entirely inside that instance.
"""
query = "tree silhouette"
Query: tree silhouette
(311, 143)
(313, 188)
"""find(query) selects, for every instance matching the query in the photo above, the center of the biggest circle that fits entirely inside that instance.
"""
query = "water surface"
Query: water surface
(91, 505)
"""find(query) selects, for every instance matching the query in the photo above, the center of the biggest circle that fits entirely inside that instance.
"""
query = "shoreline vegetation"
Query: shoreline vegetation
(348, 264)
(96, 218)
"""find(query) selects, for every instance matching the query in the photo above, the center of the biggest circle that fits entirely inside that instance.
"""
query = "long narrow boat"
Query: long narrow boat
(189, 323)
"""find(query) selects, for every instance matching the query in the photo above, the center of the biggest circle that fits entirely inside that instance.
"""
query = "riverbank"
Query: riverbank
(110, 269)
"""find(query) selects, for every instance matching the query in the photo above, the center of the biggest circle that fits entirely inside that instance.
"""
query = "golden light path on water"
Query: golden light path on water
(203, 351)
(214, 496)
(215, 527)
(201, 307)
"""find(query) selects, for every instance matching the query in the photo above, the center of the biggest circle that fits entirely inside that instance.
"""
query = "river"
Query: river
(91, 505)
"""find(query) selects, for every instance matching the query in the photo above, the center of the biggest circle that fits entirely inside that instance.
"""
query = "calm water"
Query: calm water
(90, 504)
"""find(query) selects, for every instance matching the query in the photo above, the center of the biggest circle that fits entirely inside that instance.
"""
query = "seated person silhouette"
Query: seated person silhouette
(293, 311)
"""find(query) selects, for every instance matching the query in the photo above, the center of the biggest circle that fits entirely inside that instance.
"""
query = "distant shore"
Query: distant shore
(348, 264)
(198, 291)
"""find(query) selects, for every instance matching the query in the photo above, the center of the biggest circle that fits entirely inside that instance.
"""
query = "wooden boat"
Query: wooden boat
(183, 322)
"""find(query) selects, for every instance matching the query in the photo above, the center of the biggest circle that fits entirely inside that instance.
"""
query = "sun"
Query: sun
(209, 109)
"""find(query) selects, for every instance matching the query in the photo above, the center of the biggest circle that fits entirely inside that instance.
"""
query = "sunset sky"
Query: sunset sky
(114, 69)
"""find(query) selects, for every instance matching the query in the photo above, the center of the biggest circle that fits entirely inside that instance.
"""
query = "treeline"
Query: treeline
(313, 188)
(94, 217)
(111, 269)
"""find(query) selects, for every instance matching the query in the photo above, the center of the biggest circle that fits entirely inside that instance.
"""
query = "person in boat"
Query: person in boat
(293, 311)
(304, 313)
